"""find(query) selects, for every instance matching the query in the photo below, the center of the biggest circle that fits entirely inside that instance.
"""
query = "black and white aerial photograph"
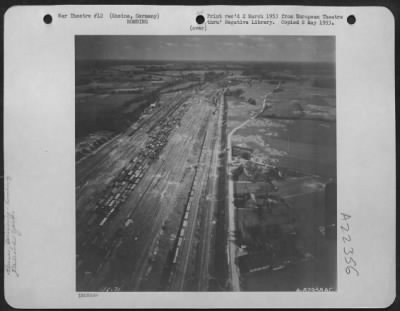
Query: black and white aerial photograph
(205, 163)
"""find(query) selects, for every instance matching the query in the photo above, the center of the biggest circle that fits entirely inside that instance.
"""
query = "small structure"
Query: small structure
(238, 151)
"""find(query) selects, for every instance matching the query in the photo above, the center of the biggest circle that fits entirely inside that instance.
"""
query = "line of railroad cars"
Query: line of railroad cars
(119, 190)
(129, 177)
(159, 137)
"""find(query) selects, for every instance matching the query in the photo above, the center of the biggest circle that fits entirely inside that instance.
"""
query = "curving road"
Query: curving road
(231, 245)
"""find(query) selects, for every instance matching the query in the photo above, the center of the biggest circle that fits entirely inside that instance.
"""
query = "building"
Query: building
(238, 151)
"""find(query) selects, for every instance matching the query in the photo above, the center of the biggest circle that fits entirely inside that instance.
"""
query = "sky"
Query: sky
(207, 48)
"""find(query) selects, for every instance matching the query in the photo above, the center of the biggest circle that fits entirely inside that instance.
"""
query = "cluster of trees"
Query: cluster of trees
(325, 82)
(212, 76)
(234, 92)
(237, 172)
(252, 101)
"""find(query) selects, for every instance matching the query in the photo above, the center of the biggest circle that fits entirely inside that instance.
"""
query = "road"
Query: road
(231, 243)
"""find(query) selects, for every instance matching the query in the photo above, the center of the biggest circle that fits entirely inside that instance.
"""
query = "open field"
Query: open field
(291, 134)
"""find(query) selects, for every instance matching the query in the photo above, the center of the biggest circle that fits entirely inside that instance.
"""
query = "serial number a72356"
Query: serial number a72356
(348, 249)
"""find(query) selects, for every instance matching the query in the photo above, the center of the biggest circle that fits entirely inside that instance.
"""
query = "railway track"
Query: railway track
(96, 161)
(99, 231)
(160, 208)
(135, 229)
(211, 190)
(185, 249)
(157, 219)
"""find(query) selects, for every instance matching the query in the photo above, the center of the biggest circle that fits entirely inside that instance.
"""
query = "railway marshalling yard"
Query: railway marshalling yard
(138, 199)
(158, 207)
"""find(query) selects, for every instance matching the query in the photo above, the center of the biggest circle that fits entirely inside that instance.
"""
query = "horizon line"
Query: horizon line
(199, 60)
